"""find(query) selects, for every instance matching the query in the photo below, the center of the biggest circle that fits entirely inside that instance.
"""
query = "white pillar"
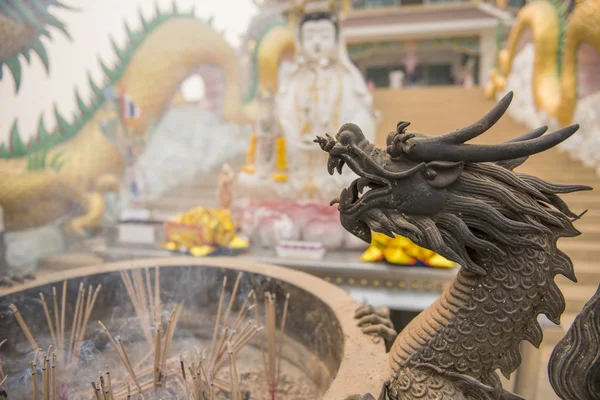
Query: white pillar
(487, 55)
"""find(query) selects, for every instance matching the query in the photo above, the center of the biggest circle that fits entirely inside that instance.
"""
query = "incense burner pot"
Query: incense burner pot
(322, 339)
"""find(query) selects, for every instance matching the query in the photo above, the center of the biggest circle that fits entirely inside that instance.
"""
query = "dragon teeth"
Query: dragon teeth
(331, 164)
(345, 198)
(354, 190)
(339, 166)
(361, 184)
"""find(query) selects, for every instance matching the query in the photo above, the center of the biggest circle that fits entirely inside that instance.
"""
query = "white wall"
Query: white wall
(70, 62)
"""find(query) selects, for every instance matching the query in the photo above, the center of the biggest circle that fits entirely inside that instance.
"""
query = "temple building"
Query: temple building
(420, 42)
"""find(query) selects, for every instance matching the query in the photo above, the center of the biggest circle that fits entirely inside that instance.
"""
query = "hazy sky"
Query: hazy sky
(71, 61)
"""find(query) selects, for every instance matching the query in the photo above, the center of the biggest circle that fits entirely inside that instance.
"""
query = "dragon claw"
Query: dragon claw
(377, 322)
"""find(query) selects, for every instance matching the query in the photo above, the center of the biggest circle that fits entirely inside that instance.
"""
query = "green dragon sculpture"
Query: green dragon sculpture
(465, 202)
(64, 172)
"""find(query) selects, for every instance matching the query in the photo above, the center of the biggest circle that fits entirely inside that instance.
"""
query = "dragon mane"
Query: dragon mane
(489, 204)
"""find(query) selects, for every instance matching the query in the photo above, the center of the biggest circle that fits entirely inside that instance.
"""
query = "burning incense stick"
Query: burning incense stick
(96, 389)
(24, 327)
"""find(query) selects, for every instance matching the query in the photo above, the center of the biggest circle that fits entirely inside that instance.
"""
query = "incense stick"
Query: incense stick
(109, 384)
(75, 321)
(141, 293)
(96, 389)
(157, 289)
(24, 326)
(151, 301)
(45, 380)
(217, 323)
(48, 319)
(232, 298)
(34, 379)
(138, 308)
(271, 332)
(260, 342)
(157, 337)
(169, 337)
(281, 335)
(123, 357)
(243, 312)
(128, 362)
(62, 318)
(86, 318)
(182, 367)
(235, 395)
(53, 376)
(2, 377)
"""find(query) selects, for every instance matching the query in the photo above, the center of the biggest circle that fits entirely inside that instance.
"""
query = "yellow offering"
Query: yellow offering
(401, 250)
(203, 231)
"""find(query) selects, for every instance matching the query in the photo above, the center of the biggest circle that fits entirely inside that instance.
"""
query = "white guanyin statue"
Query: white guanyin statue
(285, 174)
(323, 91)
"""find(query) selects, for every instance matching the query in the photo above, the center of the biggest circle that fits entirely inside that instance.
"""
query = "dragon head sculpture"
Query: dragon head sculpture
(445, 194)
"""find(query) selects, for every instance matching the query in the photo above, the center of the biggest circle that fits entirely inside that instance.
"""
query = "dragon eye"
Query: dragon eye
(390, 138)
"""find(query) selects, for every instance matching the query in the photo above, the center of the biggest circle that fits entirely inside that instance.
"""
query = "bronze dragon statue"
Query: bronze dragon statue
(465, 202)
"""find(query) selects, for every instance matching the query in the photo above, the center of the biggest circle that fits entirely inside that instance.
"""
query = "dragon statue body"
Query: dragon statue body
(465, 202)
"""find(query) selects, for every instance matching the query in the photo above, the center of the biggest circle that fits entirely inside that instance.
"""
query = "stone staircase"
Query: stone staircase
(438, 110)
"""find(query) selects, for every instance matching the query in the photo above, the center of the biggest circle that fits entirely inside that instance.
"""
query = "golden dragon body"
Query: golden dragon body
(156, 61)
(555, 69)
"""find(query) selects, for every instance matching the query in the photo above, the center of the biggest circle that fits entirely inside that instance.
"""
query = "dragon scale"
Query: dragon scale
(465, 333)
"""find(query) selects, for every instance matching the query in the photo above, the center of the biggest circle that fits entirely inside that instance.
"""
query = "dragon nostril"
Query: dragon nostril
(346, 137)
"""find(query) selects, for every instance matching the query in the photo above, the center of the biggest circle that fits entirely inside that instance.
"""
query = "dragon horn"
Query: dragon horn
(435, 150)
(536, 133)
(486, 122)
